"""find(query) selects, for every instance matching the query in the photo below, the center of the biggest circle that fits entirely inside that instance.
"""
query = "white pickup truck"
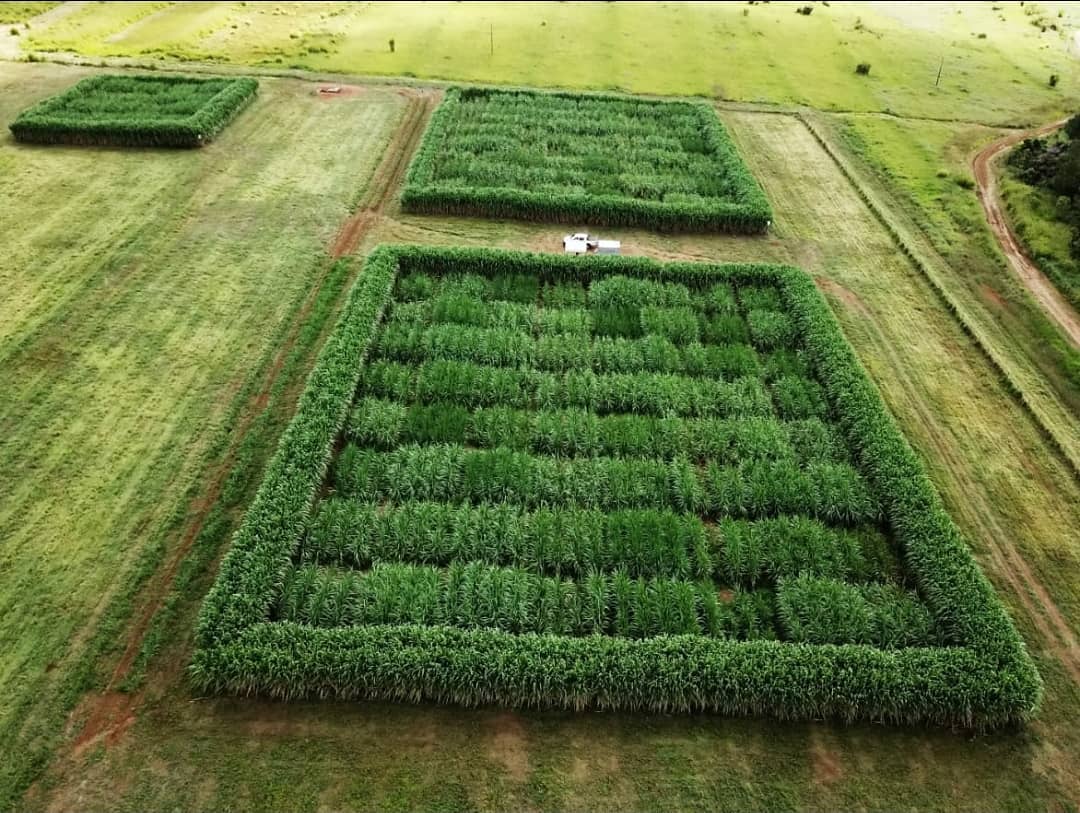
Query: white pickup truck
(582, 243)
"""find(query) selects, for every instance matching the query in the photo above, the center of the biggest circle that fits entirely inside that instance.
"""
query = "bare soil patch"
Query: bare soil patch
(509, 746)
(331, 92)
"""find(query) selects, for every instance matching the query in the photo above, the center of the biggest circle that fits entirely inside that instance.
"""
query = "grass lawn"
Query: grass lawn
(143, 291)
(996, 61)
(1014, 500)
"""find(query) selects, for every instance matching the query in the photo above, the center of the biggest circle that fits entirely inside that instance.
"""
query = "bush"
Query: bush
(863, 69)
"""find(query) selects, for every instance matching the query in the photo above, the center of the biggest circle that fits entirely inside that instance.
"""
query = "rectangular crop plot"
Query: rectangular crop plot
(586, 160)
(570, 482)
(136, 111)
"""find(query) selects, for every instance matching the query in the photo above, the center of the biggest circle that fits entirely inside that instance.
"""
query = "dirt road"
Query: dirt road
(1051, 300)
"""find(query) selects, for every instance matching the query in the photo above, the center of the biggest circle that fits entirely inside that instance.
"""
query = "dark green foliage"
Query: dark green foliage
(450, 473)
(717, 298)
(563, 342)
(785, 362)
(625, 322)
(724, 328)
(618, 291)
(523, 288)
(136, 111)
(386, 424)
(585, 503)
(583, 157)
(474, 385)
(760, 298)
(564, 295)
(680, 325)
(829, 491)
(796, 397)
(415, 286)
(826, 611)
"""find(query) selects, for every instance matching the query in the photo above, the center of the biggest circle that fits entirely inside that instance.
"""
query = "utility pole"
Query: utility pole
(939, 67)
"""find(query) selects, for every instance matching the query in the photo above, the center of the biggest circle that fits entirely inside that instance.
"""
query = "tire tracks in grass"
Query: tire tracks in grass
(1041, 288)
(389, 175)
(975, 508)
(112, 711)
(1053, 418)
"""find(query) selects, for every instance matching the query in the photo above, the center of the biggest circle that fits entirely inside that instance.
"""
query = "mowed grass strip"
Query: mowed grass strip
(143, 291)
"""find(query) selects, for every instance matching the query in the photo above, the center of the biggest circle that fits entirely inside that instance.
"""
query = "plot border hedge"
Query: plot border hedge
(981, 677)
(423, 195)
(47, 123)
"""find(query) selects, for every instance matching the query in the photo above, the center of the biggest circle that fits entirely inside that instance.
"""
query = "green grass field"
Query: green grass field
(729, 50)
(160, 312)
(21, 12)
(142, 294)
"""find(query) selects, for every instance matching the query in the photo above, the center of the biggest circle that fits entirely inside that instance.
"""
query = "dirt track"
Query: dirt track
(1051, 300)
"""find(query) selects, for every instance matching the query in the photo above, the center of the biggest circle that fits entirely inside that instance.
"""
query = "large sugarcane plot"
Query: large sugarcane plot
(569, 482)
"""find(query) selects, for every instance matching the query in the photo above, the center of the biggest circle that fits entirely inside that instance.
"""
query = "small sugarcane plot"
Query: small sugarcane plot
(561, 481)
(136, 111)
(584, 158)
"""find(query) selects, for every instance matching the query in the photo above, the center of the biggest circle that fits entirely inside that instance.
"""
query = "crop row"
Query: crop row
(828, 611)
(476, 595)
(449, 473)
(567, 349)
(569, 541)
(473, 385)
(454, 292)
(667, 346)
(383, 424)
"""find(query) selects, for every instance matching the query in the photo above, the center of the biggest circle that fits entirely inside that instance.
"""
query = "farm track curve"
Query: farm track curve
(1041, 288)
